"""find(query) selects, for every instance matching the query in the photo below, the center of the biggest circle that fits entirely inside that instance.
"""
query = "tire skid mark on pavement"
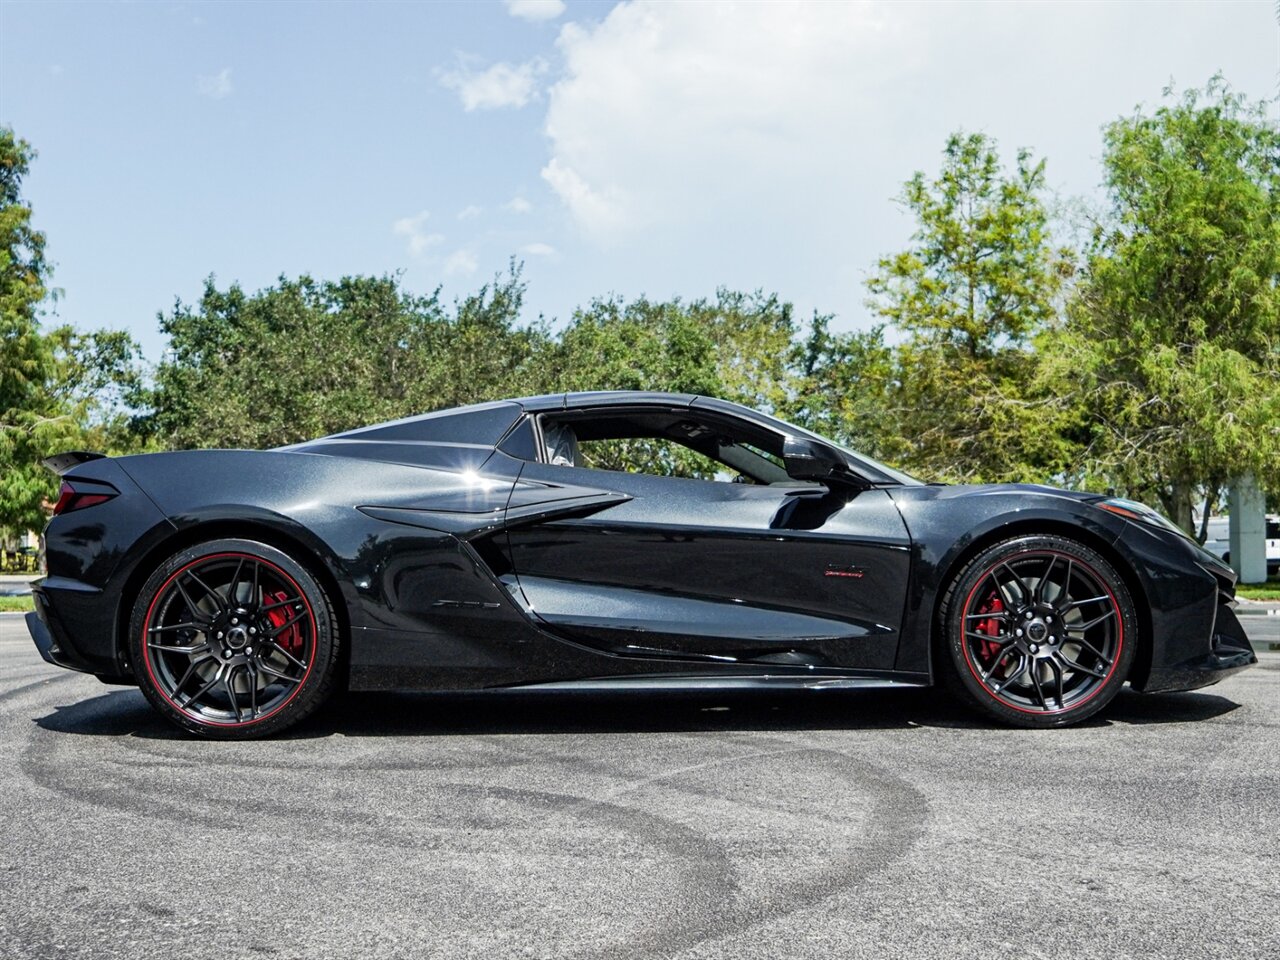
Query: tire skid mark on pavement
(579, 763)
(897, 819)
(703, 861)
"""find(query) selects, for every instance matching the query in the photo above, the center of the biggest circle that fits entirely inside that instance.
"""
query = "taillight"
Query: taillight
(69, 498)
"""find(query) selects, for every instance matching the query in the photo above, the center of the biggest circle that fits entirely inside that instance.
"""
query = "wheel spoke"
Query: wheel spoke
(1080, 603)
(190, 625)
(231, 692)
(287, 655)
(1092, 649)
(1081, 627)
(214, 595)
(191, 669)
(278, 604)
(1023, 593)
(1044, 578)
(192, 608)
(999, 587)
(993, 615)
(203, 690)
(1080, 667)
(234, 586)
(974, 635)
(273, 672)
(284, 626)
(1021, 669)
(1057, 681)
(175, 648)
(1000, 655)
(1035, 682)
(252, 669)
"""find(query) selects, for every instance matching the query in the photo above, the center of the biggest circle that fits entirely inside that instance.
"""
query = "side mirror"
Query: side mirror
(807, 459)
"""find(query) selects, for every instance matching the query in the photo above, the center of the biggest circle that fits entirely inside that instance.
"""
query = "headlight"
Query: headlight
(1132, 510)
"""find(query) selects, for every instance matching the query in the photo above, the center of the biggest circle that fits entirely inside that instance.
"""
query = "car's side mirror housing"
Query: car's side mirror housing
(807, 459)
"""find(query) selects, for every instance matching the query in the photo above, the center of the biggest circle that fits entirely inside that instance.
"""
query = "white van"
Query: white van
(1218, 541)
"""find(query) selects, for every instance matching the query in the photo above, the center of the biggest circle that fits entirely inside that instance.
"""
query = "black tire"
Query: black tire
(234, 639)
(1039, 631)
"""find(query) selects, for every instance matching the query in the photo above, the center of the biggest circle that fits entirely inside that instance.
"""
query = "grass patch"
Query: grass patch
(17, 604)
(1260, 591)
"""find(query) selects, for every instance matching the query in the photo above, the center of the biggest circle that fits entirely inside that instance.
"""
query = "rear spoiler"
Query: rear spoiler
(63, 462)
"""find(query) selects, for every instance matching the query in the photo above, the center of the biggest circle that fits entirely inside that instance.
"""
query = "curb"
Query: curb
(1258, 609)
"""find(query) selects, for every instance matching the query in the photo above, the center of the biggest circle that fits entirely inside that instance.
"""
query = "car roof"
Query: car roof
(586, 400)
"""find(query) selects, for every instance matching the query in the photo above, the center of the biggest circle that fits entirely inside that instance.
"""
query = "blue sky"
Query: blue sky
(627, 147)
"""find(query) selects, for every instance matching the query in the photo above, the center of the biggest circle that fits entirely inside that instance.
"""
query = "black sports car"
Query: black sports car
(488, 547)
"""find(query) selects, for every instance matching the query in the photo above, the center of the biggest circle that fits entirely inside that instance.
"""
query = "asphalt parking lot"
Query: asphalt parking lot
(826, 825)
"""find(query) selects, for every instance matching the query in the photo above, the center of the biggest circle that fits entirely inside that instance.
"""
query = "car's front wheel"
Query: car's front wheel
(234, 639)
(1040, 631)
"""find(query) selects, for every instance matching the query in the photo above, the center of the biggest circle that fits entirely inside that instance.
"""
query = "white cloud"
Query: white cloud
(598, 213)
(413, 228)
(535, 9)
(501, 85)
(216, 86)
(666, 110)
(517, 205)
(460, 263)
(538, 250)
(469, 212)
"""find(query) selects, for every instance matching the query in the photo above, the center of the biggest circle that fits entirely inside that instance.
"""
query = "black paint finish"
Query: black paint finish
(457, 560)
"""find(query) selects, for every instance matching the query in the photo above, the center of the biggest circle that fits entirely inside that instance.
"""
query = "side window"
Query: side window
(521, 442)
(660, 444)
(656, 456)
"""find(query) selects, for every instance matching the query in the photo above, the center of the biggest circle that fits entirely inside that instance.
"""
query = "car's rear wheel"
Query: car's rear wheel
(1040, 632)
(234, 639)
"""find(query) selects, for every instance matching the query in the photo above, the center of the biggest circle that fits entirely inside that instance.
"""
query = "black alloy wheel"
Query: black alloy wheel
(233, 639)
(1041, 632)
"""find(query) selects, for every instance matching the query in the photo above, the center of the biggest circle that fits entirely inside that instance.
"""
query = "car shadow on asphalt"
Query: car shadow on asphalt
(126, 713)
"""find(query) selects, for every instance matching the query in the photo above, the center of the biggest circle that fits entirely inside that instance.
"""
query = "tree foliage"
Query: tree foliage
(1173, 341)
(59, 389)
(26, 356)
(962, 390)
(308, 357)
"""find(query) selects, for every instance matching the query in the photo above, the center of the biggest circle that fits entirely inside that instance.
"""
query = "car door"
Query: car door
(719, 572)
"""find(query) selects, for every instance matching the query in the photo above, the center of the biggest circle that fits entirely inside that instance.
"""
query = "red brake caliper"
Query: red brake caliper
(291, 639)
(991, 627)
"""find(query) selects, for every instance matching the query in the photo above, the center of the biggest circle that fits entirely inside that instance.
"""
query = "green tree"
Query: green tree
(980, 280)
(1174, 338)
(59, 389)
(752, 337)
(26, 356)
(844, 387)
(307, 357)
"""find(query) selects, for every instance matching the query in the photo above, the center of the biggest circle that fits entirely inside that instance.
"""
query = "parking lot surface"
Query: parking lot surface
(819, 825)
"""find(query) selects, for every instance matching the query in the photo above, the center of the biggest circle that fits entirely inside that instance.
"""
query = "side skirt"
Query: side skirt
(687, 684)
